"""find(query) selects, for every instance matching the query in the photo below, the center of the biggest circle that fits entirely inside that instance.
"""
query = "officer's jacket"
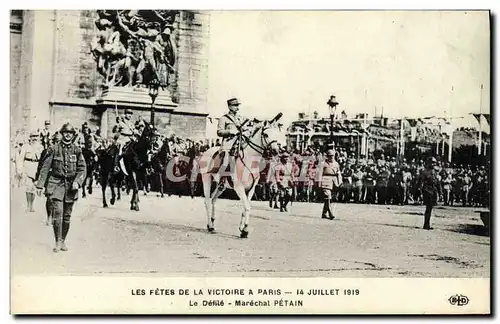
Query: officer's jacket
(126, 127)
(331, 175)
(63, 164)
(429, 182)
(227, 123)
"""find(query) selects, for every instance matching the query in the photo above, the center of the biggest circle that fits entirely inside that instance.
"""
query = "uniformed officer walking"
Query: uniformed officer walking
(331, 180)
(62, 174)
(429, 187)
(227, 128)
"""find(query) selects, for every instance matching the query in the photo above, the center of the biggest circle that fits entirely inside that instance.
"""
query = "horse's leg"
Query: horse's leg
(207, 186)
(160, 182)
(91, 181)
(134, 201)
(144, 180)
(112, 185)
(245, 215)
(216, 194)
(104, 182)
(119, 189)
(83, 187)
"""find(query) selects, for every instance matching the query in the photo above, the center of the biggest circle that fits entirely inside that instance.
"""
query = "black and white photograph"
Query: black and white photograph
(280, 152)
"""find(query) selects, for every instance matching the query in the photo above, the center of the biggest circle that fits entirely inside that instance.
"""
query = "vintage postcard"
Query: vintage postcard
(250, 162)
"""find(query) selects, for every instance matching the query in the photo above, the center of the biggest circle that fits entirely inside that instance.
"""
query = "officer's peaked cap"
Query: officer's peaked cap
(233, 102)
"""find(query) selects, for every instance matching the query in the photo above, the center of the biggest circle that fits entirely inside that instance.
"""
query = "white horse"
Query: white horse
(244, 174)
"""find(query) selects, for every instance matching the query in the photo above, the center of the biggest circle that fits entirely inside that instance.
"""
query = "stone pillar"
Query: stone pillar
(36, 67)
(192, 61)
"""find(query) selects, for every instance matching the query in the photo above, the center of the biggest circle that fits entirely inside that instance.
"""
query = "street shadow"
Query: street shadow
(397, 225)
(472, 229)
(174, 227)
(411, 213)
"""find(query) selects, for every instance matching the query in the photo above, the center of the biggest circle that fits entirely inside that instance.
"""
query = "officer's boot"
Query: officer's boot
(325, 208)
(56, 225)
(48, 208)
(275, 199)
(427, 219)
(65, 229)
(329, 210)
(281, 198)
(286, 198)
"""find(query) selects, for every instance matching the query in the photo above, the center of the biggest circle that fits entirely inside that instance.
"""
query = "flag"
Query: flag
(488, 118)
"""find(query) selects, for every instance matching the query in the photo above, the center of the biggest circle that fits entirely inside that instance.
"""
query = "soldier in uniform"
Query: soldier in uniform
(26, 163)
(48, 202)
(429, 185)
(330, 180)
(62, 174)
(228, 128)
(284, 181)
(45, 135)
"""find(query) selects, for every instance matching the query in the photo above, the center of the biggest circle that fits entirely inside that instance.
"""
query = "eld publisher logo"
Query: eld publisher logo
(458, 300)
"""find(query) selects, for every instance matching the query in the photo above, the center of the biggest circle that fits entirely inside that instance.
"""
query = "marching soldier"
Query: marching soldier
(429, 185)
(331, 180)
(62, 174)
(227, 128)
(48, 202)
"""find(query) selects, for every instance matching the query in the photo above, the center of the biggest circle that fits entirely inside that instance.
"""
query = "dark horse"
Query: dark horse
(107, 174)
(135, 161)
(159, 163)
(90, 160)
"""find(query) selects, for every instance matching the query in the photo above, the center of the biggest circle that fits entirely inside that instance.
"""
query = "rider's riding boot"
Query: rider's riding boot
(223, 168)
(118, 156)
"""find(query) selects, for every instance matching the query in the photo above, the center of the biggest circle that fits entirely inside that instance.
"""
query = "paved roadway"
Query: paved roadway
(168, 237)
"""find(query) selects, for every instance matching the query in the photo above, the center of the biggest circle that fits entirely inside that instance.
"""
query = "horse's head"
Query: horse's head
(270, 134)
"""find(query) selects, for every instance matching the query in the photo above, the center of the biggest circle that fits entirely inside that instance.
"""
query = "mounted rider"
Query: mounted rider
(125, 134)
(228, 128)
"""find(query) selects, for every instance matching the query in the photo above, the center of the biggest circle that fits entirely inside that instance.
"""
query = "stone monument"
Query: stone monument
(89, 65)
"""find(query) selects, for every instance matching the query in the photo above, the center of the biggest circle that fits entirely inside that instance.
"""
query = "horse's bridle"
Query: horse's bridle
(260, 149)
